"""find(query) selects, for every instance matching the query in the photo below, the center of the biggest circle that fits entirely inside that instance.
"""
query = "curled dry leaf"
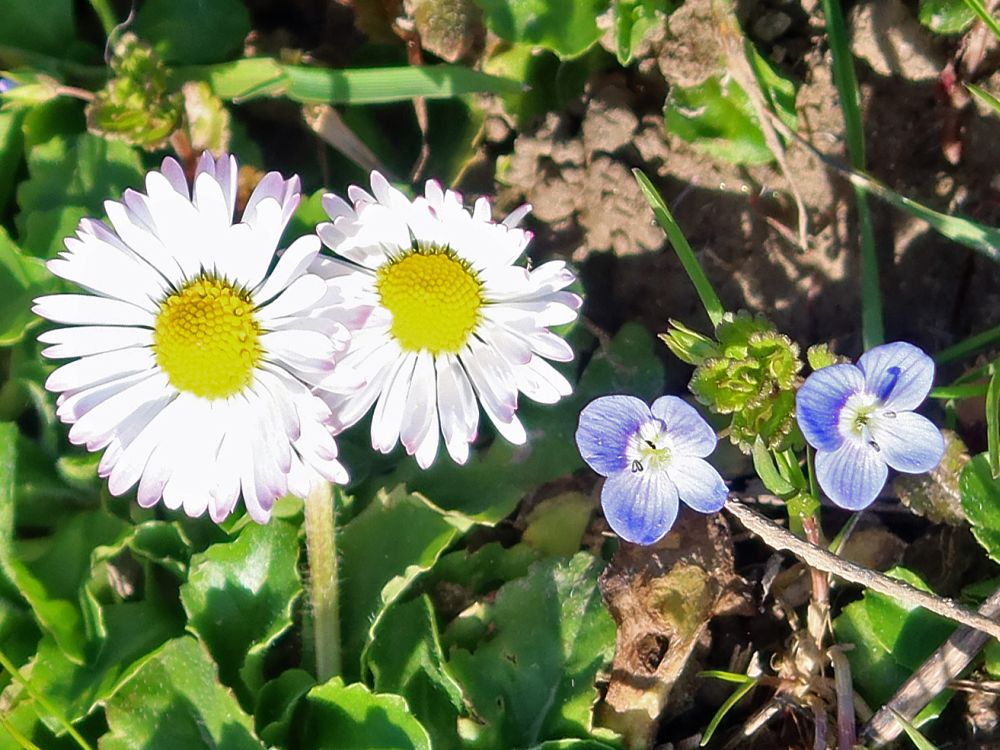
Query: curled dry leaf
(662, 598)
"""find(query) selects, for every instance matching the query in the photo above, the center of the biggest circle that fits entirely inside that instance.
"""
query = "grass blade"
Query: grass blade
(985, 97)
(748, 684)
(872, 330)
(993, 419)
(980, 10)
(918, 740)
(709, 299)
(263, 76)
(969, 346)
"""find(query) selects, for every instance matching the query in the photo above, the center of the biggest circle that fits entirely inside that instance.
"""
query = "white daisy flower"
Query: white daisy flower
(443, 317)
(192, 364)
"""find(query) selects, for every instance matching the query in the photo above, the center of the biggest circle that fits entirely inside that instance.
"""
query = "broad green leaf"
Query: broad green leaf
(574, 744)
(240, 595)
(628, 365)
(21, 279)
(406, 658)
(946, 16)
(890, 640)
(193, 31)
(277, 703)
(981, 503)
(134, 630)
(252, 78)
(556, 525)
(175, 701)
(778, 91)
(485, 568)
(567, 27)
(382, 551)
(533, 679)
(716, 117)
(69, 178)
(634, 19)
(350, 717)
(38, 25)
(50, 571)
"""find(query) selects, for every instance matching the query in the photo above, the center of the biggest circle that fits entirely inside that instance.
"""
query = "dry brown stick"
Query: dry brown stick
(845, 699)
(780, 539)
(933, 676)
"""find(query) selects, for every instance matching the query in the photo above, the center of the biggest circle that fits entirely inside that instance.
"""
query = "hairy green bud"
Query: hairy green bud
(136, 105)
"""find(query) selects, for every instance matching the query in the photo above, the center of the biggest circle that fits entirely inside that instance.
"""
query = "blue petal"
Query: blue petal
(690, 434)
(851, 476)
(640, 506)
(606, 424)
(899, 373)
(819, 401)
(698, 484)
(908, 442)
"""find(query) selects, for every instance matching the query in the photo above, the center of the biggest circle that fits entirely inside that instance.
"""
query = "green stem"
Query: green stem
(984, 15)
(321, 547)
(970, 345)
(104, 12)
(709, 299)
(872, 331)
(42, 701)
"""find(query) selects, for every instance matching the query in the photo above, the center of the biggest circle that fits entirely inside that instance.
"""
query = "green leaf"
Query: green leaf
(891, 639)
(240, 595)
(946, 16)
(406, 658)
(277, 703)
(634, 19)
(769, 473)
(777, 90)
(567, 27)
(533, 679)
(977, 7)
(70, 178)
(50, 571)
(557, 524)
(252, 78)
(717, 118)
(21, 279)
(38, 25)
(350, 717)
(176, 701)
(193, 31)
(981, 503)
(918, 740)
(985, 97)
(383, 550)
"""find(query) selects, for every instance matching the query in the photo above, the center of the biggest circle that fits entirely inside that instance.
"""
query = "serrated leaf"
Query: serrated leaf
(239, 598)
(566, 27)
(175, 701)
(383, 550)
(533, 679)
(406, 658)
(350, 717)
(981, 503)
(193, 31)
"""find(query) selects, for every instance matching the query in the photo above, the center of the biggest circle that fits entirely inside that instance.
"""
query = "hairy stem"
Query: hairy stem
(324, 590)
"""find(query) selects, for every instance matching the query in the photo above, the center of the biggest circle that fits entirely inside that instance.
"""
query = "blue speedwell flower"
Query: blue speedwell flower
(860, 420)
(652, 457)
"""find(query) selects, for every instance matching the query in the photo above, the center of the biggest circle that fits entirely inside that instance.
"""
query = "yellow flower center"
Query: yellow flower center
(434, 298)
(206, 339)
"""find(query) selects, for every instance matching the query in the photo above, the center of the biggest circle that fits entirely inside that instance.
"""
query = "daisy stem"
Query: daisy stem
(324, 589)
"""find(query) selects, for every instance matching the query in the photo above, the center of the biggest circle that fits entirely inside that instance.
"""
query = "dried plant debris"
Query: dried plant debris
(662, 599)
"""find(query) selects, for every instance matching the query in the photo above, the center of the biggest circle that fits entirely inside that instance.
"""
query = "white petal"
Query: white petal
(291, 265)
(86, 340)
(84, 309)
(302, 293)
(389, 410)
(100, 368)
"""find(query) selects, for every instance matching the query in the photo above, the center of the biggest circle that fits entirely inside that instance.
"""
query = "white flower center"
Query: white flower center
(649, 447)
(860, 417)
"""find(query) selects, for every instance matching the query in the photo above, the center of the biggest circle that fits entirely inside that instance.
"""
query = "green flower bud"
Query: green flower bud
(136, 105)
